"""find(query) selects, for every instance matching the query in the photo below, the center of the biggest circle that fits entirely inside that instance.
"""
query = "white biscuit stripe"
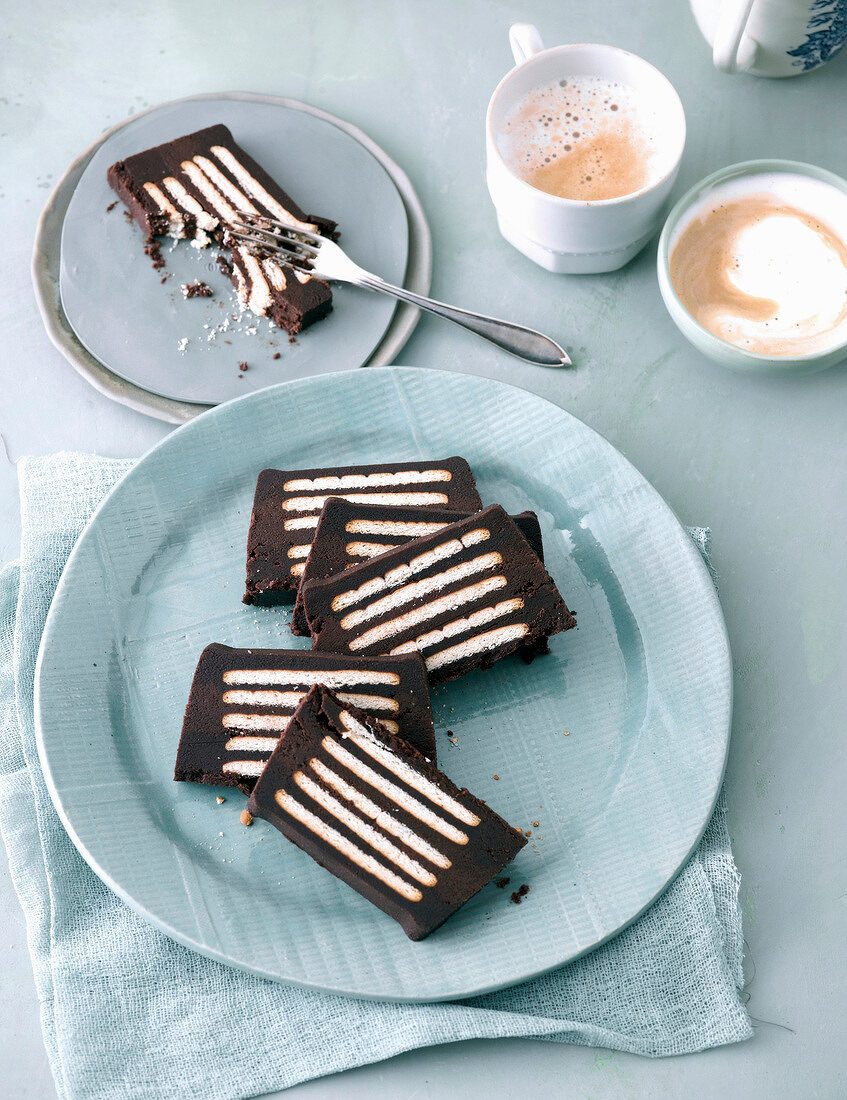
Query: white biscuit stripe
(367, 549)
(329, 678)
(244, 767)
(253, 188)
(275, 273)
(409, 529)
(263, 698)
(451, 602)
(401, 573)
(404, 800)
(365, 481)
(176, 222)
(314, 504)
(251, 744)
(377, 840)
(297, 523)
(410, 776)
(260, 297)
(382, 818)
(256, 721)
(246, 698)
(240, 281)
(478, 644)
(292, 699)
(460, 626)
(415, 590)
(301, 551)
(352, 851)
(298, 569)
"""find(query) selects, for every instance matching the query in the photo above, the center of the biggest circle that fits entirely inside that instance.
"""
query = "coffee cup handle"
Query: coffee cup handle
(730, 51)
(525, 41)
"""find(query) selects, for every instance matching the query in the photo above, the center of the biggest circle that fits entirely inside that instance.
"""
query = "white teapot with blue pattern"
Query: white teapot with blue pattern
(772, 37)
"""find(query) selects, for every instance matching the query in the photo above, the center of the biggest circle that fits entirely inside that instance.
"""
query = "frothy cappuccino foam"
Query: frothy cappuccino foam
(585, 138)
(761, 262)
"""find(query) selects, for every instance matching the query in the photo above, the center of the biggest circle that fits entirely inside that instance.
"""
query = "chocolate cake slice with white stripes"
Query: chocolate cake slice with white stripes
(242, 700)
(350, 533)
(464, 597)
(194, 187)
(371, 810)
(287, 505)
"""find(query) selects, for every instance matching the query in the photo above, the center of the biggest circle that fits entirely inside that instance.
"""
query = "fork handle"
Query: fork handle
(523, 342)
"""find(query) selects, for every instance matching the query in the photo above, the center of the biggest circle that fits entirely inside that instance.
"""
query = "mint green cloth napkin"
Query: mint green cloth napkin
(128, 1013)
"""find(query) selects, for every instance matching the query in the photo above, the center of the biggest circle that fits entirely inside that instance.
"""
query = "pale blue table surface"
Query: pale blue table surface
(764, 462)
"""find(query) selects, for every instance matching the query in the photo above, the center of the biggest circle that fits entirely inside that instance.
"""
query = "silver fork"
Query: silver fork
(308, 251)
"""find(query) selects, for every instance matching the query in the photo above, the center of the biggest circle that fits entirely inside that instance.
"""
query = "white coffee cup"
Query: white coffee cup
(771, 37)
(576, 235)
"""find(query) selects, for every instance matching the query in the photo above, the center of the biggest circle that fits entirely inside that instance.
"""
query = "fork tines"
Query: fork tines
(285, 244)
(271, 225)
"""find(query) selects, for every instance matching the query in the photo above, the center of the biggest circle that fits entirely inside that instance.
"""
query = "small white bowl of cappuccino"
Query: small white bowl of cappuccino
(752, 267)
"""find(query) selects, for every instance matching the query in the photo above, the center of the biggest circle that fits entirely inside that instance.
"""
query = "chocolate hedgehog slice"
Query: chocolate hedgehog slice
(348, 534)
(370, 809)
(194, 188)
(242, 700)
(464, 597)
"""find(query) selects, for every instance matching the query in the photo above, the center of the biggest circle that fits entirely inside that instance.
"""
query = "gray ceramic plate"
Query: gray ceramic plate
(125, 319)
(642, 687)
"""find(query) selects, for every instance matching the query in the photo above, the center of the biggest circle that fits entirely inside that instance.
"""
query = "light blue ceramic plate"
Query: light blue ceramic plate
(135, 325)
(642, 687)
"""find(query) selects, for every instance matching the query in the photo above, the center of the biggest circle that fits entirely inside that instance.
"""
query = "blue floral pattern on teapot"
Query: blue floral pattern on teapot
(827, 33)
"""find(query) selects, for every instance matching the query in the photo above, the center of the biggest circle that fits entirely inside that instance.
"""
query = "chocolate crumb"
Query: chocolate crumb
(220, 800)
(246, 817)
(224, 264)
(527, 832)
(243, 367)
(535, 824)
(128, 216)
(291, 340)
(277, 355)
(501, 882)
(163, 279)
(521, 892)
(154, 250)
(496, 776)
(196, 289)
(111, 206)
